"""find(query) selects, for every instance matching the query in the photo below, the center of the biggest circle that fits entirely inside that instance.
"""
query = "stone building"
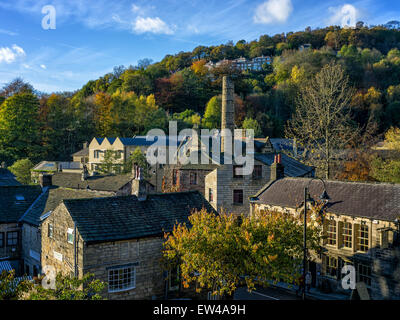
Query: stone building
(361, 228)
(30, 223)
(117, 239)
(222, 184)
(15, 201)
(125, 147)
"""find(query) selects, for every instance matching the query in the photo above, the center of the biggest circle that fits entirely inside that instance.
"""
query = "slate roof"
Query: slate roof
(121, 218)
(7, 178)
(81, 153)
(293, 168)
(379, 201)
(15, 200)
(50, 199)
(102, 183)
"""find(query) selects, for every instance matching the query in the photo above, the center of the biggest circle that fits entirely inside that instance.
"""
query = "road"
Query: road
(270, 293)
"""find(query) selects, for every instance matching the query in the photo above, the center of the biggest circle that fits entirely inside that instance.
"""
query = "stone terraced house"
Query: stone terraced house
(361, 228)
(118, 239)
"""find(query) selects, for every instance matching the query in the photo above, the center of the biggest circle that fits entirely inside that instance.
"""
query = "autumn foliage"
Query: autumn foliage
(221, 252)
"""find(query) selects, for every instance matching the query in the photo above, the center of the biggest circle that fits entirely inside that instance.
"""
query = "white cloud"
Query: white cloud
(135, 8)
(152, 25)
(346, 15)
(8, 32)
(43, 66)
(273, 11)
(9, 55)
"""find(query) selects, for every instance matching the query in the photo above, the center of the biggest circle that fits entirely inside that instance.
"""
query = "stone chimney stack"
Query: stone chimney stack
(277, 168)
(45, 180)
(139, 185)
(228, 109)
(85, 145)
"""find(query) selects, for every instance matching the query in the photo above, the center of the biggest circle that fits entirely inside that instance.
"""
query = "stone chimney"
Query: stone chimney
(228, 109)
(85, 173)
(139, 185)
(277, 168)
(45, 180)
(85, 145)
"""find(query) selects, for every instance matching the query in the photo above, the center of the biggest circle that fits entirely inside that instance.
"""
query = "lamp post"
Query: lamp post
(324, 197)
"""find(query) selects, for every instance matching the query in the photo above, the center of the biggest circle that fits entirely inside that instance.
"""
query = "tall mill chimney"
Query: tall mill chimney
(228, 109)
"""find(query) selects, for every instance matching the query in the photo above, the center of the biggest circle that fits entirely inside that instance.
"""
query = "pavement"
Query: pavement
(283, 291)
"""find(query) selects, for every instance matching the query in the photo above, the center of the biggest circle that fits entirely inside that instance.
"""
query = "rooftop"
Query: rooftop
(15, 200)
(101, 182)
(122, 218)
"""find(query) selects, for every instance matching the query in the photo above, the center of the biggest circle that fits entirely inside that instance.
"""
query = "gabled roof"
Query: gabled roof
(121, 218)
(293, 168)
(50, 199)
(102, 183)
(81, 153)
(15, 200)
(379, 201)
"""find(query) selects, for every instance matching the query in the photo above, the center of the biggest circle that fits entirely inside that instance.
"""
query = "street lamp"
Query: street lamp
(324, 197)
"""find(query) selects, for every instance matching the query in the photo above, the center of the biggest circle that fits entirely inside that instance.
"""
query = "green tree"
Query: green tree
(22, 170)
(221, 252)
(212, 115)
(250, 123)
(19, 126)
(111, 162)
(10, 287)
(140, 159)
(69, 288)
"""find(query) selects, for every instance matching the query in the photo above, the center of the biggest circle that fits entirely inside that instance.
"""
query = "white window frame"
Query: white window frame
(70, 232)
(133, 277)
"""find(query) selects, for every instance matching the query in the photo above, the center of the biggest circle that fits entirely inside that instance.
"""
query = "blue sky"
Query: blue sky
(93, 36)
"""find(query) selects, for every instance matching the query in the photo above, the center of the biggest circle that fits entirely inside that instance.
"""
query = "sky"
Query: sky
(59, 45)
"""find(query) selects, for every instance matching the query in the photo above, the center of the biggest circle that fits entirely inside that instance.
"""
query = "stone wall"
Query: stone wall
(145, 254)
(31, 249)
(56, 250)
(223, 183)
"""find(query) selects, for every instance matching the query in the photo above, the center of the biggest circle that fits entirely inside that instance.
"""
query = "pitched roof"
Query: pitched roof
(50, 199)
(379, 201)
(120, 218)
(102, 183)
(81, 153)
(15, 200)
(293, 168)
(7, 178)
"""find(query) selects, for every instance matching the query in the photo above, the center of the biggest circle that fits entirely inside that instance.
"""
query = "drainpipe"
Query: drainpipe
(75, 253)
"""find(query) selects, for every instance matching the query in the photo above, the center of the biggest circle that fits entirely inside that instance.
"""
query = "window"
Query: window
(70, 235)
(331, 232)
(50, 230)
(97, 153)
(210, 195)
(193, 178)
(238, 171)
(12, 238)
(238, 196)
(121, 279)
(364, 274)
(363, 241)
(257, 172)
(1, 239)
(331, 267)
(347, 235)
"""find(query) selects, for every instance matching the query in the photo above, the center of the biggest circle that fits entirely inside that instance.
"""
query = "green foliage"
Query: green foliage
(212, 114)
(219, 253)
(385, 171)
(111, 162)
(22, 170)
(10, 287)
(70, 288)
(253, 124)
(19, 126)
(140, 159)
